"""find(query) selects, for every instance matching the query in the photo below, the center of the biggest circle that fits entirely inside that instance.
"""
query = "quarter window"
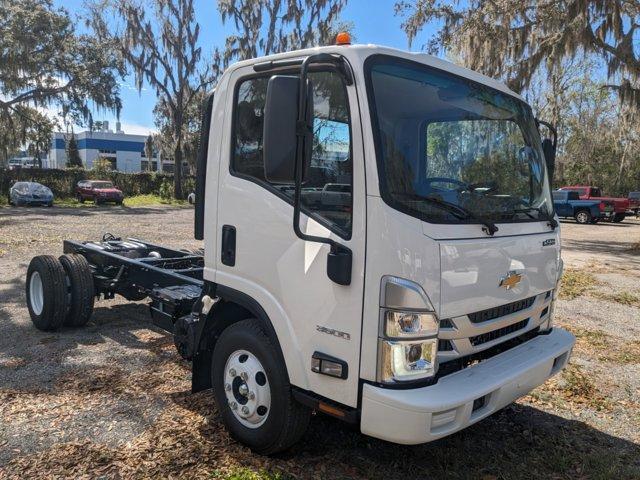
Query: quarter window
(327, 191)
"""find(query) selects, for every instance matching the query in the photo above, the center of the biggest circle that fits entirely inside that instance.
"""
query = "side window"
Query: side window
(327, 191)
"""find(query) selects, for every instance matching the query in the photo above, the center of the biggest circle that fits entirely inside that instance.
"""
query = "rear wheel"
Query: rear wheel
(46, 292)
(80, 198)
(618, 217)
(583, 216)
(80, 290)
(252, 390)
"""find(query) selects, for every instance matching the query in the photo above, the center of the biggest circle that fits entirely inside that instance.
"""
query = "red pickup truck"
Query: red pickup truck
(621, 205)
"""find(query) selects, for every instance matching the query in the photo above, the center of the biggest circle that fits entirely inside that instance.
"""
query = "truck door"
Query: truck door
(285, 275)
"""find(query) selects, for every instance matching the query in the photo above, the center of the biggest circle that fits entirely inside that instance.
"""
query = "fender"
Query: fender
(232, 307)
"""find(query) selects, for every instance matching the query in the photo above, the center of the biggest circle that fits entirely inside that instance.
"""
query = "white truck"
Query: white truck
(421, 307)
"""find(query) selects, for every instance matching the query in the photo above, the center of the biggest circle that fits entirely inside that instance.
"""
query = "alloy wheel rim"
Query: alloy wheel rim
(247, 389)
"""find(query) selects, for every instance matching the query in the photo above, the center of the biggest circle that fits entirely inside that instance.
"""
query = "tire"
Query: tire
(80, 290)
(618, 217)
(265, 431)
(46, 292)
(80, 198)
(96, 201)
(583, 216)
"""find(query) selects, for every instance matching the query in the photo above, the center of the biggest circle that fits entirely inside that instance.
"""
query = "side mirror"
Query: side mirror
(281, 129)
(549, 149)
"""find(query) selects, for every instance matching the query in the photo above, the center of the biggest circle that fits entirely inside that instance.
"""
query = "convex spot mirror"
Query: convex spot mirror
(281, 113)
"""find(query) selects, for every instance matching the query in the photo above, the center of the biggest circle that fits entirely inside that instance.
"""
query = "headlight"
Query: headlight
(408, 343)
(406, 324)
(405, 361)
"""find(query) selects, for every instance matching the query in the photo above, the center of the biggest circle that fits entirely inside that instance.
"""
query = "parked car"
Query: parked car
(567, 204)
(621, 205)
(634, 203)
(30, 193)
(98, 191)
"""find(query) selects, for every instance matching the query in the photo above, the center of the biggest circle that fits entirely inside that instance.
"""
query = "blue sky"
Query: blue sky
(374, 22)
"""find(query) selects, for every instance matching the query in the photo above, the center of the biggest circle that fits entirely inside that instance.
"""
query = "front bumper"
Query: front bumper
(420, 415)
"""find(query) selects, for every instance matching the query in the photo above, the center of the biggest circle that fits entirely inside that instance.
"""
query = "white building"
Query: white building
(124, 151)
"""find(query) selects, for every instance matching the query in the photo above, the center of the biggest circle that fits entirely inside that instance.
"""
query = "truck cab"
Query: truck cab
(380, 245)
(425, 306)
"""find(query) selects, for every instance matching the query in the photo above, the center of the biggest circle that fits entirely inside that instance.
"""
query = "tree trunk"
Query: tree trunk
(177, 170)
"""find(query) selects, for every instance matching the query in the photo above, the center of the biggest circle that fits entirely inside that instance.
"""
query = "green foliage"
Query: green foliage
(165, 191)
(159, 42)
(73, 155)
(44, 62)
(63, 182)
(101, 166)
(514, 39)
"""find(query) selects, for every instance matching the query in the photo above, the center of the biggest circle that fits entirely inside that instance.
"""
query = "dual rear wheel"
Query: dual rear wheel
(59, 291)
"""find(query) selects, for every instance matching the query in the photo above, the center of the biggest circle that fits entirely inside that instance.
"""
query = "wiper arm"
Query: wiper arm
(489, 227)
(552, 222)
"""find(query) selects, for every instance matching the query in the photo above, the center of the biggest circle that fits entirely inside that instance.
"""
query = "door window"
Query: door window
(327, 192)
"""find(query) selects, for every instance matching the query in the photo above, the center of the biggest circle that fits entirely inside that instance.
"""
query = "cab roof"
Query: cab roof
(357, 54)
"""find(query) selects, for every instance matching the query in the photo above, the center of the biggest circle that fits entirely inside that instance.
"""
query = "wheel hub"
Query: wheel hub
(247, 388)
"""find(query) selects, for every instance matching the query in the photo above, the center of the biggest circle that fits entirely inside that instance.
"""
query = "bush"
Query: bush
(166, 190)
(63, 181)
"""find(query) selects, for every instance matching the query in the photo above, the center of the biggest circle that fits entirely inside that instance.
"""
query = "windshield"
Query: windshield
(441, 137)
(102, 185)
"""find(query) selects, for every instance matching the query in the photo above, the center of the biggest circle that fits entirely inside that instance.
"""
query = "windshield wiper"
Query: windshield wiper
(552, 222)
(457, 211)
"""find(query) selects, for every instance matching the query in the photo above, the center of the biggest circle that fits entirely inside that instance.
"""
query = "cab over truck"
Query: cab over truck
(420, 309)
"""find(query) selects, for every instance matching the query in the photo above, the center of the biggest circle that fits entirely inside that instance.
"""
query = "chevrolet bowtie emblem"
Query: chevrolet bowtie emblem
(510, 280)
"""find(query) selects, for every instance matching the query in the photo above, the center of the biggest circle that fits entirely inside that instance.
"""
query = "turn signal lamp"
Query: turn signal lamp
(343, 38)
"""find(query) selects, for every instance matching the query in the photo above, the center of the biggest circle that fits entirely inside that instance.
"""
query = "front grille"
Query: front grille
(500, 332)
(501, 311)
(445, 346)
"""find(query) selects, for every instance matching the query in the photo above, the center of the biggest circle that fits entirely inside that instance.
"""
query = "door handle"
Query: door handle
(228, 254)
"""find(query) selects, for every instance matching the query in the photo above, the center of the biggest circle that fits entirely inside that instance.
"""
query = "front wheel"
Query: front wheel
(618, 217)
(252, 390)
(583, 217)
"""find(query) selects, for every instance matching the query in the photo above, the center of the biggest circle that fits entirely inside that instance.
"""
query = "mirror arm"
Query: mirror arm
(339, 260)
(551, 128)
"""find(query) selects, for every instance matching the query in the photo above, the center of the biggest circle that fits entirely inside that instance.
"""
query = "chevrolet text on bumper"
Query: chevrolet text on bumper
(412, 304)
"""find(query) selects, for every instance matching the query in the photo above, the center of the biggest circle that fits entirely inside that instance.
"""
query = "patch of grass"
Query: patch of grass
(573, 389)
(625, 354)
(3, 201)
(576, 283)
(248, 474)
(623, 298)
(149, 200)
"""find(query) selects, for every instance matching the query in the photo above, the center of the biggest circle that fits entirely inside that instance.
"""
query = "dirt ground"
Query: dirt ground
(112, 400)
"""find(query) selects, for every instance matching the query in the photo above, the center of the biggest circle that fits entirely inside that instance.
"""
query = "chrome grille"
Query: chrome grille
(500, 332)
(501, 311)
(470, 334)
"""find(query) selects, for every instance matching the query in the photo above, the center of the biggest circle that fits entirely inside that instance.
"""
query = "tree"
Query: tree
(73, 155)
(44, 62)
(272, 26)
(162, 50)
(148, 151)
(515, 39)
(25, 127)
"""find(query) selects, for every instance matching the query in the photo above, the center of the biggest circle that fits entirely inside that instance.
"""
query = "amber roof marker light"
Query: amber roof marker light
(343, 38)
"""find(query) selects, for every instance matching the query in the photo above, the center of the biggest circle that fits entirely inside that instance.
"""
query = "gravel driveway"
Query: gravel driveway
(113, 400)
